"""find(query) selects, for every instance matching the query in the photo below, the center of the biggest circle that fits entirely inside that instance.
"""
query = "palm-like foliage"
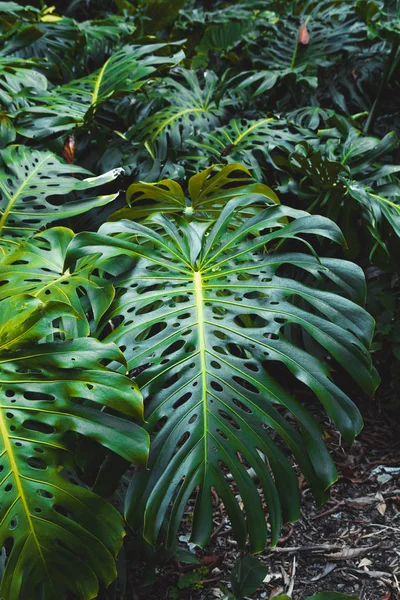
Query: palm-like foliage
(332, 31)
(37, 267)
(346, 179)
(250, 142)
(211, 293)
(204, 315)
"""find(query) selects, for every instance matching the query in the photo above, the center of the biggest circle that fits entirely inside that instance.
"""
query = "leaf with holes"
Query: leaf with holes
(29, 181)
(57, 535)
(74, 103)
(192, 109)
(18, 78)
(349, 180)
(334, 32)
(208, 319)
(249, 142)
(36, 267)
(209, 191)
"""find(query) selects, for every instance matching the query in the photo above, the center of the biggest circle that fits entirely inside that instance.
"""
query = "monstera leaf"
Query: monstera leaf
(209, 191)
(36, 267)
(346, 179)
(284, 54)
(74, 103)
(192, 109)
(249, 142)
(18, 79)
(57, 535)
(208, 318)
(29, 179)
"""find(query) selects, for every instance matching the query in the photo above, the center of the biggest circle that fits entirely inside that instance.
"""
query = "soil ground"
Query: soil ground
(350, 545)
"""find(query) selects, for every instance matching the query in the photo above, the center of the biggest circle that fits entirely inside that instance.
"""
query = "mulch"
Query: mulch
(350, 545)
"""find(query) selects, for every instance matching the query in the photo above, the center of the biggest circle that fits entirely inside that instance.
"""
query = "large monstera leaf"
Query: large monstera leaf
(73, 104)
(29, 179)
(250, 142)
(192, 109)
(207, 318)
(36, 267)
(209, 192)
(57, 535)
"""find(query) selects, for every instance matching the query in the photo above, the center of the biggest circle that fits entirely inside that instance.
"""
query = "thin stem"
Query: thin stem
(390, 66)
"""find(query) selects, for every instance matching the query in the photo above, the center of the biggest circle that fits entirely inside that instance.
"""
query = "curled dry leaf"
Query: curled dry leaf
(68, 150)
(303, 37)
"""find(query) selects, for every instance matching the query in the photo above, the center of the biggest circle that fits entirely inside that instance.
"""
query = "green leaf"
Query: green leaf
(18, 79)
(186, 557)
(246, 141)
(76, 102)
(209, 191)
(247, 576)
(192, 106)
(36, 267)
(29, 179)
(203, 317)
(58, 535)
(26, 319)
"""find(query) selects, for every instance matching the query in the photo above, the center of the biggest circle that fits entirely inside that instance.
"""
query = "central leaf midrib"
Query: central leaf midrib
(13, 199)
(198, 289)
(165, 124)
(20, 490)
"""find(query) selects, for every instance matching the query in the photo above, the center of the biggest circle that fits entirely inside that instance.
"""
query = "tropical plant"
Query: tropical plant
(28, 182)
(173, 177)
(57, 535)
(75, 103)
(345, 179)
(255, 143)
(209, 191)
(192, 107)
(204, 316)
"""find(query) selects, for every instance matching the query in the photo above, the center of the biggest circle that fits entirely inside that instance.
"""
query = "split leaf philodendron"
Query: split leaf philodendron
(57, 534)
(183, 184)
(209, 314)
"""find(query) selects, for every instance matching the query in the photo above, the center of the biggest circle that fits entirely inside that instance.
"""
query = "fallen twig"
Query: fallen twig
(347, 553)
(315, 548)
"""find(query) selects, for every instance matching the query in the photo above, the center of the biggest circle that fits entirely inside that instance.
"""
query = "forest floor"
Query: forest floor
(350, 545)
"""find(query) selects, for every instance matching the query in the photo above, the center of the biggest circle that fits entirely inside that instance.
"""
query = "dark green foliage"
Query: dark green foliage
(182, 186)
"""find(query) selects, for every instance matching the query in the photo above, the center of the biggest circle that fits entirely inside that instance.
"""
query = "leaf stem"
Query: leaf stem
(390, 66)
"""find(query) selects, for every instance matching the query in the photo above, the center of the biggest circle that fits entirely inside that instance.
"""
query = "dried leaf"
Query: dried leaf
(365, 562)
(68, 150)
(304, 37)
(381, 506)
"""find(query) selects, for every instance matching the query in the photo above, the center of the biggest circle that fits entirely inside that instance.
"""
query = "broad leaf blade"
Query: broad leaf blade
(202, 320)
(63, 536)
(29, 179)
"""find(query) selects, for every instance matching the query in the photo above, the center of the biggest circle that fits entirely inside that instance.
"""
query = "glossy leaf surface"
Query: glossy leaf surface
(29, 179)
(203, 317)
(58, 535)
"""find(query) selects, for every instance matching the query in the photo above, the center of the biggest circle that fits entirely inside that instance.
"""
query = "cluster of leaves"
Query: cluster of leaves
(243, 133)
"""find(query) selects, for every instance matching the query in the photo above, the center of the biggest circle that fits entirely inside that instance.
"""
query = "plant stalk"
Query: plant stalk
(390, 66)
